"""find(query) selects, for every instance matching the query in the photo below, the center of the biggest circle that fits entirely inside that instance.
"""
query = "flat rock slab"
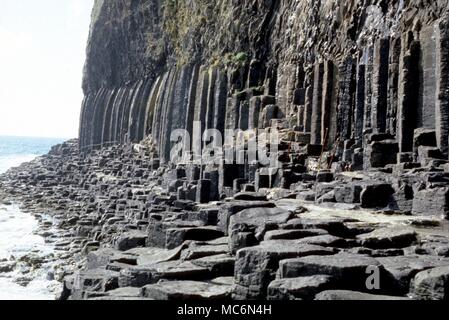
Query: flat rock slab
(335, 226)
(325, 241)
(385, 238)
(402, 269)
(127, 293)
(187, 290)
(219, 265)
(195, 251)
(250, 196)
(293, 234)
(354, 295)
(229, 209)
(140, 276)
(304, 288)
(176, 236)
(349, 270)
(432, 284)
(147, 256)
(130, 240)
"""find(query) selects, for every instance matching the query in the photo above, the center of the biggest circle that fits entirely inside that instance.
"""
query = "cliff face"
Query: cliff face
(334, 72)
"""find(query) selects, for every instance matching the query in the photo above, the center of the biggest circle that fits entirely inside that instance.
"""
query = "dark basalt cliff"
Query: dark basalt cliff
(359, 93)
(334, 70)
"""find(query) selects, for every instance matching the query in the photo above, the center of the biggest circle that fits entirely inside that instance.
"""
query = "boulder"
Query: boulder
(348, 193)
(256, 267)
(176, 236)
(379, 154)
(187, 291)
(401, 270)
(219, 265)
(391, 237)
(229, 209)
(348, 270)
(304, 288)
(376, 195)
(432, 284)
(432, 202)
(96, 280)
(131, 240)
(248, 227)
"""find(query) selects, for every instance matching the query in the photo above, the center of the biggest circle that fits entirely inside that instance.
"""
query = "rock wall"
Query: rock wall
(356, 76)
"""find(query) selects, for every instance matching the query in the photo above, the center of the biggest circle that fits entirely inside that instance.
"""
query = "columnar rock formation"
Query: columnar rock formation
(339, 71)
(365, 82)
(359, 93)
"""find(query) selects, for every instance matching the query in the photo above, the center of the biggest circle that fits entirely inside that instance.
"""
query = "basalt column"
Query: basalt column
(359, 104)
(346, 91)
(408, 94)
(380, 85)
(317, 105)
(329, 103)
(368, 61)
(442, 84)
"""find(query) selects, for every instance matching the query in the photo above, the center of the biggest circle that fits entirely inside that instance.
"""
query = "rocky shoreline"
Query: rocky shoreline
(132, 229)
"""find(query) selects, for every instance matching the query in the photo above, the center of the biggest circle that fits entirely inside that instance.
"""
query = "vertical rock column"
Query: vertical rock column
(367, 118)
(345, 99)
(316, 119)
(328, 127)
(308, 106)
(408, 95)
(442, 84)
(393, 85)
(380, 85)
(427, 98)
(359, 104)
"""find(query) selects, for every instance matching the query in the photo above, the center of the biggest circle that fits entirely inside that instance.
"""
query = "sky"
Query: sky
(42, 53)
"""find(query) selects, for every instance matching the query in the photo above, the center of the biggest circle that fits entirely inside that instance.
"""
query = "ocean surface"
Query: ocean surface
(18, 236)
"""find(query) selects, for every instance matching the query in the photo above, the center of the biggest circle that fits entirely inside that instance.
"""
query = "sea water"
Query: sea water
(17, 229)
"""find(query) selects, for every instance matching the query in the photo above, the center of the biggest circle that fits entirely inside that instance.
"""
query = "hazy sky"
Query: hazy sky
(42, 52)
